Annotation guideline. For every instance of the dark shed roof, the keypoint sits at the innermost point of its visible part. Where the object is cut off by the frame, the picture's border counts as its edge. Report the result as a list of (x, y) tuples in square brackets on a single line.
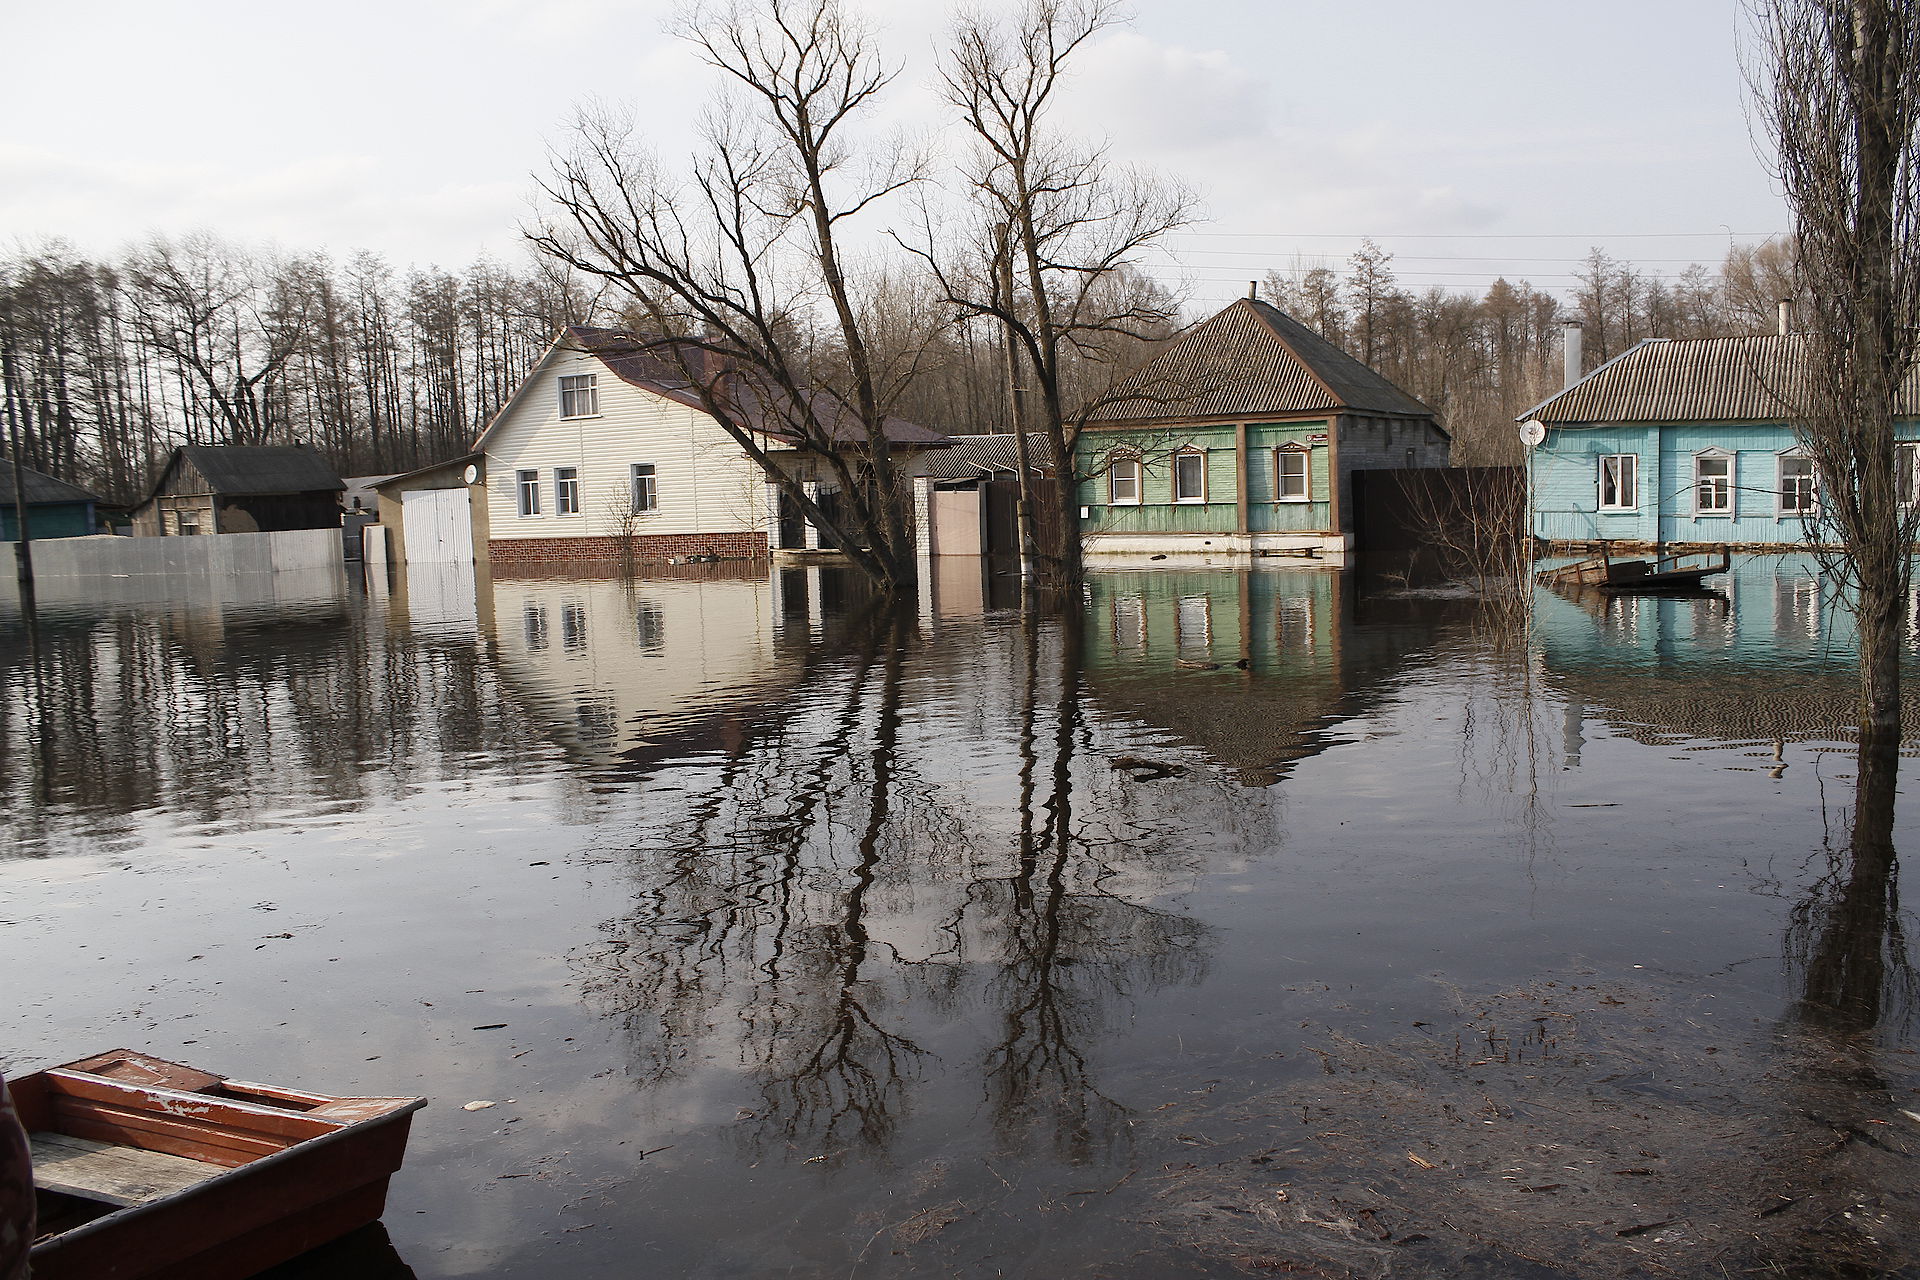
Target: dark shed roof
[(658, 368), (969, 457), (1747, 379), (42, 489), (1252, 360), (258, 469)]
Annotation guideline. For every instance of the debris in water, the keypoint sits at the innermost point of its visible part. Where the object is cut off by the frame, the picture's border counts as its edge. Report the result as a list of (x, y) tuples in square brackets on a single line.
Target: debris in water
[(478, 1105)]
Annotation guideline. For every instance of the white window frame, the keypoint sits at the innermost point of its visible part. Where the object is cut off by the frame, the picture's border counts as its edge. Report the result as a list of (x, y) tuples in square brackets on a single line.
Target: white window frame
[(643, 487), (566, 491), (1808, 484), (1180, 456), (579, 395), (1127, 465), (1280, 477), (1724, 484), (527, 492), (1906, 475), (1631, 485)]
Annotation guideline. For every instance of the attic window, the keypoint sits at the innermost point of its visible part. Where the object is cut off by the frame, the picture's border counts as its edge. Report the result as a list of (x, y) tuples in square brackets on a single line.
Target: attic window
[(579, 398)]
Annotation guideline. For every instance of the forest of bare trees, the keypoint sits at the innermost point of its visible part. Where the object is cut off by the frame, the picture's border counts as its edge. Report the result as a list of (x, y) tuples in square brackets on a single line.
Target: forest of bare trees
[(1482, 360)]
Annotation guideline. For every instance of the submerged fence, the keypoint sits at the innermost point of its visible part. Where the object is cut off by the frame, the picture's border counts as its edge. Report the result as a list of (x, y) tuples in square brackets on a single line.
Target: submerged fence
[(219, 555)]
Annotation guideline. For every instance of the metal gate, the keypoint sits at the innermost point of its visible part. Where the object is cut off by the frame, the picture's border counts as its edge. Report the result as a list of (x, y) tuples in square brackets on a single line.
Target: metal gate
[(438, 526)]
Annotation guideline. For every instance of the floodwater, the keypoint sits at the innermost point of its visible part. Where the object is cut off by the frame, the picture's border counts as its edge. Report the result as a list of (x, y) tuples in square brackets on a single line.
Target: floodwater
[(1232, 923)]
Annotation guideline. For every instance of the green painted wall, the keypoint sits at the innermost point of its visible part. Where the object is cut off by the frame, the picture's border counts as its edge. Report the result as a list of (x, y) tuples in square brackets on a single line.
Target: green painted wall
[(1158, 513), (60, 520)]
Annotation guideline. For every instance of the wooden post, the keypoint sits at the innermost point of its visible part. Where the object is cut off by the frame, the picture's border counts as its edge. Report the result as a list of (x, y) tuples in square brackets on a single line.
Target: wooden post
[(22, 551)]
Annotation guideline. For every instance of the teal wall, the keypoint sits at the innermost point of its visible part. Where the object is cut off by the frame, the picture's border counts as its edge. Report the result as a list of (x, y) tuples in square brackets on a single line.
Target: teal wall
[(56, 520), (1565, 476), (1158, 513)]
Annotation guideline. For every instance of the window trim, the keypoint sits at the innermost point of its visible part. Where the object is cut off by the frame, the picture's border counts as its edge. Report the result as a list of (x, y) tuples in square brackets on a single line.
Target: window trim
[(1780, 462), (565, 503), (1906, 472), (1131, 464), (592, 390), (1306, 474), (526, 484), (1180, 455), (1717, 512), (1600, 461), (635, 474)]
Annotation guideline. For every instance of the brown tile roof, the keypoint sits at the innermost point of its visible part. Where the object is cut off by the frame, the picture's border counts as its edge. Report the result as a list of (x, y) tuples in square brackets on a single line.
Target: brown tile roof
[(1700, 380), (1253, 360), (663, 369)]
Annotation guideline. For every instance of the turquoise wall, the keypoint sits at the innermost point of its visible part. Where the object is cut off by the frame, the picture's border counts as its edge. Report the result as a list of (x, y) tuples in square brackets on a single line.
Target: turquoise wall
[(59, 520), (1158, 513), (1565, 476)]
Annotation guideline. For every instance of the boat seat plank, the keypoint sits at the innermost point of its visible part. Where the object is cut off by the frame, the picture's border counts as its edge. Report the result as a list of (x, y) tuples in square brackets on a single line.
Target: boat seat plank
[(117, 1175)]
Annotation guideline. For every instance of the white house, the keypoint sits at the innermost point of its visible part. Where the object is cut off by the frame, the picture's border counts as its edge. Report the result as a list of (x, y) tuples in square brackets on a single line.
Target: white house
[(605, 450)]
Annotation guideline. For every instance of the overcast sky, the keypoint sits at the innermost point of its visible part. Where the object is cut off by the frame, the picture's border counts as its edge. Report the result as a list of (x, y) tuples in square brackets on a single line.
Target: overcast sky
[(1470, 138)]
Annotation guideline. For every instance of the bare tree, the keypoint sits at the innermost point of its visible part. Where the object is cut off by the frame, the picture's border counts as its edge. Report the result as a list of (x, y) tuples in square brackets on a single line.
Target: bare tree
[(739, 270), (1840, 95), (1054, 228)]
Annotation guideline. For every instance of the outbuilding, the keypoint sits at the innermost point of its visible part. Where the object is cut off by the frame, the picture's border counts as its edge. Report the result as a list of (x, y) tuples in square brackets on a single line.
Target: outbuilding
[(55, 509), (240, 489)]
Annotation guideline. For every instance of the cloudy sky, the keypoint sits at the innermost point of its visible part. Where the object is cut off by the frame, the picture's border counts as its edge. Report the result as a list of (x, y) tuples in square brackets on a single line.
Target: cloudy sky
[(1470, 138)]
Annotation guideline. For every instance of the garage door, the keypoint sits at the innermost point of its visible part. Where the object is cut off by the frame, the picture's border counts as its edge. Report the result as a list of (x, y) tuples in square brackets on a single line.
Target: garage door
[(438, 525)]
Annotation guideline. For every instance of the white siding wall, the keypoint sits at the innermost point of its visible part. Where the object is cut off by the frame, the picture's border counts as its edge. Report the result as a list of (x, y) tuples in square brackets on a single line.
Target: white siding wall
[(706, 484)]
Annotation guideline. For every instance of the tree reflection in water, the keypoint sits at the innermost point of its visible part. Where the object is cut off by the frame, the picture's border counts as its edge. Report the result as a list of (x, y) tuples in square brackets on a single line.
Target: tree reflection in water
[(759, 912)]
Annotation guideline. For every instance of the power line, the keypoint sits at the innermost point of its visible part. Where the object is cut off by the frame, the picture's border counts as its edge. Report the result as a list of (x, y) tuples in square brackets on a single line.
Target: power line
[(1217, 253), (1490, 235)]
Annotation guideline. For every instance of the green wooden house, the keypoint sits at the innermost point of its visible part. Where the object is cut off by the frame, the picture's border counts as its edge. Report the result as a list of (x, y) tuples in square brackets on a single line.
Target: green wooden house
[(1240, 439), (55, 509)]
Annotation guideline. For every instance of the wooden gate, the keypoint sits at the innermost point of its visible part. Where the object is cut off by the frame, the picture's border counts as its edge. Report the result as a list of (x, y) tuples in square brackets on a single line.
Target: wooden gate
[(438, 526)]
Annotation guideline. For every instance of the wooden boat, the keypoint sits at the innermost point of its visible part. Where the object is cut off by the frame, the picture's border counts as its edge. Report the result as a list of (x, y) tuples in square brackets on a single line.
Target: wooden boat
[(152, 1170), (1662, 573)]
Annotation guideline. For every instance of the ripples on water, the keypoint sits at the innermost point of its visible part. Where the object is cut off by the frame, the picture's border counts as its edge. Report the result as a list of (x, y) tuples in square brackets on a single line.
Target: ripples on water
[(1236, 922)]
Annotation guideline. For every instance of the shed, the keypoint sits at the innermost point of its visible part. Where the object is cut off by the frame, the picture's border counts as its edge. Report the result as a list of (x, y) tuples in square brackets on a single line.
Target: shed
[(55, 509), (240, 489), (436, 513)]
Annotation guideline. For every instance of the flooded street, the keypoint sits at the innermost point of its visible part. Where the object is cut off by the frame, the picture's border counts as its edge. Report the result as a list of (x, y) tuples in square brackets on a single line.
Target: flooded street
[(1233, 923)]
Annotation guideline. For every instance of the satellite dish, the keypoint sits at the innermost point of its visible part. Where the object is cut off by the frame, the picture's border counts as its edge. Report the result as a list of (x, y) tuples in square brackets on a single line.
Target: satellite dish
[(472, 473), (1532, 433)]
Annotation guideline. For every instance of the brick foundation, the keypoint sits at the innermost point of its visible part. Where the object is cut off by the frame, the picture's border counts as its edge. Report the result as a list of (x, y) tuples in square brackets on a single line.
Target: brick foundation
[(657, 548)]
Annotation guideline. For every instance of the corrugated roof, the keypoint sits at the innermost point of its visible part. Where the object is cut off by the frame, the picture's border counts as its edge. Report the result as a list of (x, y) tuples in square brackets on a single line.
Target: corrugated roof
[(42, 489), (968, 457), (1756, 378), (1254, 360), (258, 469), (663, 369)]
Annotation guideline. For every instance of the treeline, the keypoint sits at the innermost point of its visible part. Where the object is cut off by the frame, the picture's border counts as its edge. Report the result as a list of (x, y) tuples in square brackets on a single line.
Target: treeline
[(1480, 361), (109, 364)]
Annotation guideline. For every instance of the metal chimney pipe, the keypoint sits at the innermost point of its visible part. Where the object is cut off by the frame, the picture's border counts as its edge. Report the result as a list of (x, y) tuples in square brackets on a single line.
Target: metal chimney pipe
[(1786, 316), (1572, 336), (1253, 290)]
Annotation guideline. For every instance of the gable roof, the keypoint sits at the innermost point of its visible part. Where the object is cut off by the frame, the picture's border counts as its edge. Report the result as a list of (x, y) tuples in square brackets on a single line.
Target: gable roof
[(657, 366), (42, 489), (256, 469), (1755, 378), (1252, 360)]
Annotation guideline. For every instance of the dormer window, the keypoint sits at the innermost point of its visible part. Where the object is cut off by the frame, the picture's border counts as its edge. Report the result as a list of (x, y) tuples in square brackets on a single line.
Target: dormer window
[(579, 398)]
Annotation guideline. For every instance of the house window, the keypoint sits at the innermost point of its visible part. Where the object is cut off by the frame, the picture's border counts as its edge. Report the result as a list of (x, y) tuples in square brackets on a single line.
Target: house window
[(566, 491), (1799, 486), (649, 627), (186, 523), (1189, 476), (1619, 481), (1123, 482), (579, 398), (1907, 472), (529, 486), (645, 495), (1290, 482), (573, 627), (1712, 484), (533, 624)]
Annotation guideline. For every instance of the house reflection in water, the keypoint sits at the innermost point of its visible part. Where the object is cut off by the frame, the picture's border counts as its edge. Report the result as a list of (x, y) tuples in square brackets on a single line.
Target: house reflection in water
[(1766, 656), (1250, 666)]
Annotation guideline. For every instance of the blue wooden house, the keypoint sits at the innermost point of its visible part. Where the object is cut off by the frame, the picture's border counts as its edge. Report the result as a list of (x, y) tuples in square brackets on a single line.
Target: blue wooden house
[(1677, 442)]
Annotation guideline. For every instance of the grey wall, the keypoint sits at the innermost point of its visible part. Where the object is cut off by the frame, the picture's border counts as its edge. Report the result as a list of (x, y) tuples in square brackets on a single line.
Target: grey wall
[(210, 556)]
